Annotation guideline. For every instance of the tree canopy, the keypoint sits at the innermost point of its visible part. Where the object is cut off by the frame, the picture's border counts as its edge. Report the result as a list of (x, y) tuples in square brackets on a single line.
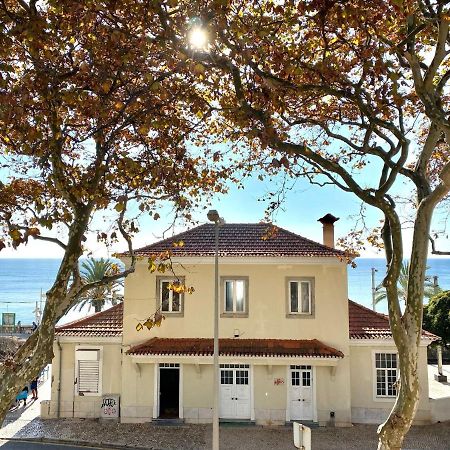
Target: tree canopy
[(97, 120), (436, 316), (93, 270)]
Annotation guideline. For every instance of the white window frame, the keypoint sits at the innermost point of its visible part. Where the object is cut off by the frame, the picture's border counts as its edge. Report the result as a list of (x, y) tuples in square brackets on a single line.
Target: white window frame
[(160, 291), (78, 349), (299, 302), (234, 311), (377, 397)]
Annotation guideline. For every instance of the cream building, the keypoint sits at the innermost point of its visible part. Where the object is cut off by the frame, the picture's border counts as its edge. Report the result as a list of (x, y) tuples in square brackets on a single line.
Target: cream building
[(292, 346)]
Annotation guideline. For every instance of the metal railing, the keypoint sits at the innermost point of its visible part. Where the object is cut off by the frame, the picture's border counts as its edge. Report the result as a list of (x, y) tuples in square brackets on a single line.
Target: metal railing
[(43, 376), (14, 329)]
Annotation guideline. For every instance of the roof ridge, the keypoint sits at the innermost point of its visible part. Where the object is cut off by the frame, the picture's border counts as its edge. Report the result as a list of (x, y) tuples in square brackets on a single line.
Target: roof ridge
[(309, 240)]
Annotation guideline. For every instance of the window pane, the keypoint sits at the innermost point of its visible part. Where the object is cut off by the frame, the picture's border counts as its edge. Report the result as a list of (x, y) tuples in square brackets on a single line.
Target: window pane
[(381, 382), (229, 296), (306, 378), (176, 301), (391, 379), (241, 376), (294, 296), (305, 297), (239, 284), (295, 378), (226, 377), (165, 295)]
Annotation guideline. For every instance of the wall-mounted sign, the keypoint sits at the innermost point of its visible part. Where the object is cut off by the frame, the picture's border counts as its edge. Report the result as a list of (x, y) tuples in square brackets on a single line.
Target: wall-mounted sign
[(8, 319), (278, 381), (110, 406)]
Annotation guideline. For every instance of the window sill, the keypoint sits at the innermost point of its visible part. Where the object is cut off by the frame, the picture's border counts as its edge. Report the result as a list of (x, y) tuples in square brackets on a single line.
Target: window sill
[(384, 399), (234, 315), (300, 316), (167, 314)]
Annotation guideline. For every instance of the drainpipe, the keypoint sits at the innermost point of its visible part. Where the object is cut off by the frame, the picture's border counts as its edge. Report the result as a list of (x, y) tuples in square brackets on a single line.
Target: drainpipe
[(58, 406)]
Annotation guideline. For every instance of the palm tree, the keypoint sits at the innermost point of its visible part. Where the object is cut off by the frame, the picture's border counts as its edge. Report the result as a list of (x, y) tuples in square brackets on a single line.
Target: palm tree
[(430, 288), (93, 270)]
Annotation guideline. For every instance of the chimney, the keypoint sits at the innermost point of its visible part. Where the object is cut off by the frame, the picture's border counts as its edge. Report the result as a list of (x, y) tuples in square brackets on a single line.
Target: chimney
[(328, 229)]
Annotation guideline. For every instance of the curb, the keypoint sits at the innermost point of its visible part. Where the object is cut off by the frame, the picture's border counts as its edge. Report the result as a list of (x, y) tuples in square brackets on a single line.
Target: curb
[(68, 442)]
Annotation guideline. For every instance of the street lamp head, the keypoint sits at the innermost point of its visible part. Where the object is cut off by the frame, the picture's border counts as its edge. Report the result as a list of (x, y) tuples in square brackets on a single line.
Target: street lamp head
[(213, 216)]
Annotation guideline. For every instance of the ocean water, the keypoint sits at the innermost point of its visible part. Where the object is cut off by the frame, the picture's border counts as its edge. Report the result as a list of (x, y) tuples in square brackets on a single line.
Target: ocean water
[(21, 282)]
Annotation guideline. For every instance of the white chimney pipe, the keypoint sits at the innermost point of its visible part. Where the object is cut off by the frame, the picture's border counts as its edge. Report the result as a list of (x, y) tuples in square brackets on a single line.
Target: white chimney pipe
[(328, 229)]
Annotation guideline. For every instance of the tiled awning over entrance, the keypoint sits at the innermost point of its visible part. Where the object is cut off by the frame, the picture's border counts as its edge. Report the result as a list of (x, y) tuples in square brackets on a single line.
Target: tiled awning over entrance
[(236, 347)]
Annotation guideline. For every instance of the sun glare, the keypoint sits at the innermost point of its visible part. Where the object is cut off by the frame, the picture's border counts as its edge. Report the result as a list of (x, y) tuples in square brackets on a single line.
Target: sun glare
[(198, 38)]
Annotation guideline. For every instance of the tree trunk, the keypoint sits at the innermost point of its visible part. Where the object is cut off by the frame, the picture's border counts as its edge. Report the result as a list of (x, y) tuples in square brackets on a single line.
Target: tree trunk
[(392, 432), (37, 351)]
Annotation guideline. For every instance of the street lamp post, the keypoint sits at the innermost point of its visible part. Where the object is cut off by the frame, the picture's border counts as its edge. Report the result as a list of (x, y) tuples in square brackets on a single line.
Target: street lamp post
[(213, 216), (374, 289)]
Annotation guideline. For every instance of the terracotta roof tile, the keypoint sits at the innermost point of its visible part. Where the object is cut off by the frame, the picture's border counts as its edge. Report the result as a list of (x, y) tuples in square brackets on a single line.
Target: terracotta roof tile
[(240, 240), (236, 347), (367, 324), (108, 323)]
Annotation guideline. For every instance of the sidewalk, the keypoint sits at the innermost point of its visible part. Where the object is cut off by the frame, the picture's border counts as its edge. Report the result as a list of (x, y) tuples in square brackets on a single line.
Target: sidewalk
[(437, 389), (18, 419), (198, 437)]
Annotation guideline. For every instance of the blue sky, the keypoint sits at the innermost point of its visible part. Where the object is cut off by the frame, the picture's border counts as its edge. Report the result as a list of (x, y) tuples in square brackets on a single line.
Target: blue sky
[(303, 206)]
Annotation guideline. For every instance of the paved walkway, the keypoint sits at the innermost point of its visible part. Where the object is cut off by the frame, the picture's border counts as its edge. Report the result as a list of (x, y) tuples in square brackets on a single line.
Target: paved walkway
[(198, 437), (437, 389)]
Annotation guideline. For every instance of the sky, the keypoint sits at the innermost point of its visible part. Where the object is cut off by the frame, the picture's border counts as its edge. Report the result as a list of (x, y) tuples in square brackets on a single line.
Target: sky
[(304, 204)]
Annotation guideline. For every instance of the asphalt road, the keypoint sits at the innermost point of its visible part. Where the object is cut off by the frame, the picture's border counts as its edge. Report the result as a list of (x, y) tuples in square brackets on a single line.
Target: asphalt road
[(23, 445)]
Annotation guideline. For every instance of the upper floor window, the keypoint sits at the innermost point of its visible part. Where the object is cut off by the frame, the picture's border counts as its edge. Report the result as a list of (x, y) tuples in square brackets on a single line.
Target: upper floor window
[(234, 296), (386, 374), (300, 296), (169, 301)]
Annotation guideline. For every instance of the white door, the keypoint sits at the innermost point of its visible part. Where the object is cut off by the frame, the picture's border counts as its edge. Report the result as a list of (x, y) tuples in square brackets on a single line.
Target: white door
[(235, 391), (301, 393), (227, 405)]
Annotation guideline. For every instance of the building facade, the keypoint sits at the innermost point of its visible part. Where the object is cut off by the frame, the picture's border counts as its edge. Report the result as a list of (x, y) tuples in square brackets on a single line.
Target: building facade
[(292, 346)]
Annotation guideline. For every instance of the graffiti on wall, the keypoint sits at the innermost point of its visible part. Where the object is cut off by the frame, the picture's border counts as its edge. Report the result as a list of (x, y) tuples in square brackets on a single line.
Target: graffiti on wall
[(110, 407)]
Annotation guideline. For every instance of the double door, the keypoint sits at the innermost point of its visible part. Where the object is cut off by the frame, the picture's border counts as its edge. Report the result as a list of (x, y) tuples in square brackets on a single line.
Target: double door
[(235, 394), (301, 395)]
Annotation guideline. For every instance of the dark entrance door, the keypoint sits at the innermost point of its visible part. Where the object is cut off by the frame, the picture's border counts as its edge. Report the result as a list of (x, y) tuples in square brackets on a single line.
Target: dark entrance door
[(169, 393)]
